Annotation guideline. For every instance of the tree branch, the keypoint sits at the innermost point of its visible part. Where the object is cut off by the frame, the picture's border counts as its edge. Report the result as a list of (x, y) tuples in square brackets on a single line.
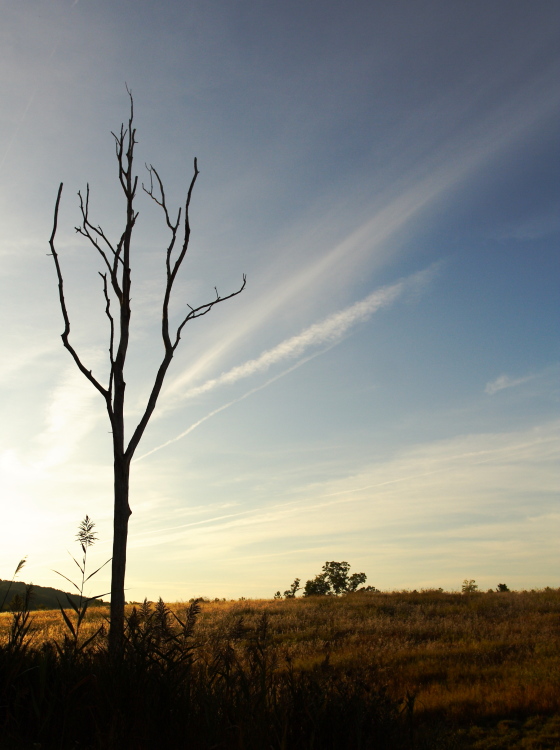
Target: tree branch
[(161, 202), (172, 270), (84, 230), (125, 141), (198, 312), (64, 336), (112, 335)]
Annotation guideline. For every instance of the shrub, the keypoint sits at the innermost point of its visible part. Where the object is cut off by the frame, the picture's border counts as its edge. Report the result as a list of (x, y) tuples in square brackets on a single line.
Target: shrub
[(291, 592), (318, 586)]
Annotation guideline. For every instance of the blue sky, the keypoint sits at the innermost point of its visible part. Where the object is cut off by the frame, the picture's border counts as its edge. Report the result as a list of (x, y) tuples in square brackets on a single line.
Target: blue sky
[(385, 391)]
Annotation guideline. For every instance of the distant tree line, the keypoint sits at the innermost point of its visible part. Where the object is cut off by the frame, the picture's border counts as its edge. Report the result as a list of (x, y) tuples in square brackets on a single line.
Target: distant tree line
[(470, 586), (336, 579)]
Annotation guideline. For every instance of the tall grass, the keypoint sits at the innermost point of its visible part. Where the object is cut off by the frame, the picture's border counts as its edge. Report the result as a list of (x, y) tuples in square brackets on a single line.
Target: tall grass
[(376, 670), (19, 566), (86, 537), (171, 689)]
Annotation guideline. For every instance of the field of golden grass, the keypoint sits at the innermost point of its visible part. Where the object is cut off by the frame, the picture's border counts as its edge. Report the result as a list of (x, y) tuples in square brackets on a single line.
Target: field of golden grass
[(487, 664), (488, 661)]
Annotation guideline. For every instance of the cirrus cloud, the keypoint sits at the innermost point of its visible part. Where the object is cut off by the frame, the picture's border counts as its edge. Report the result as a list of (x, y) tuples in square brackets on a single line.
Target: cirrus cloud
[(504, 381)]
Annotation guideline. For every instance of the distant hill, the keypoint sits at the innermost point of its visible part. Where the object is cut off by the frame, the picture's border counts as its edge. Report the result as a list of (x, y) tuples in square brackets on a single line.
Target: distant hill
[(42, 597)]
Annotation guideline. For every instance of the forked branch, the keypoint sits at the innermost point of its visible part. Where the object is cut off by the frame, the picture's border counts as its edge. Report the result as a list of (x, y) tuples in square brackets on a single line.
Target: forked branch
[(161, 201), (93, 234)]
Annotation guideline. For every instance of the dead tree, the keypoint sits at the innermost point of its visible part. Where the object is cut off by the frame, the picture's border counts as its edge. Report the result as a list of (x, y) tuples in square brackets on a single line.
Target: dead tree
[(116, 284)]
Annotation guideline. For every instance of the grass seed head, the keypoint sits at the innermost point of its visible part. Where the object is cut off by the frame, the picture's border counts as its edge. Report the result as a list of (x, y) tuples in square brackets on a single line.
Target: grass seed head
[(86, 535)]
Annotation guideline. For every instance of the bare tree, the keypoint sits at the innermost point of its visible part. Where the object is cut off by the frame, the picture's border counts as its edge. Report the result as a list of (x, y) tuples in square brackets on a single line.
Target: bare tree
[(116, 285)]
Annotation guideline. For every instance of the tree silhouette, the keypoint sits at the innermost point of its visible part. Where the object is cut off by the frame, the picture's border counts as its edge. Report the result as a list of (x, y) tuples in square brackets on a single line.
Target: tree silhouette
[(291, 592), (334, 580), (116, 286)]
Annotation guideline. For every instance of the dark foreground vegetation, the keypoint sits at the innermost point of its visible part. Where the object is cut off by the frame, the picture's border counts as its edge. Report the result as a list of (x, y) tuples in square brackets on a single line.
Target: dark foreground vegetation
[(367, 670)]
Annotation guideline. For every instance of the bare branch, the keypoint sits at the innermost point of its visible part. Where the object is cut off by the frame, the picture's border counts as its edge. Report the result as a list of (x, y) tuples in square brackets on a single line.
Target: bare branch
[(86, 231), (66, 331), (160, 201), (112, 334), (198, 312), (195, 312), (87, 225), (172, 272)]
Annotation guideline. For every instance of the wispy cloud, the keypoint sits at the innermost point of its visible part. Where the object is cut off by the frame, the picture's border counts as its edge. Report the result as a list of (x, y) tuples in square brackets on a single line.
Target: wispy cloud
[(504, 381), (328, 331), (70, 416), (393, 213), (24, 359), (230, 403), (453, 499)]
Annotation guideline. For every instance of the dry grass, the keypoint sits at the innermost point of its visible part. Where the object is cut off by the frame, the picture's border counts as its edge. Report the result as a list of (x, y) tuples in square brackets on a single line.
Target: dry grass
[(474, 657), (489, 663)]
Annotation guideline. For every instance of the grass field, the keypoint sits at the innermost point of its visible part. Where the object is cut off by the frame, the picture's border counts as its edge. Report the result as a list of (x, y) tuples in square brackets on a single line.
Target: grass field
[(477, 670)]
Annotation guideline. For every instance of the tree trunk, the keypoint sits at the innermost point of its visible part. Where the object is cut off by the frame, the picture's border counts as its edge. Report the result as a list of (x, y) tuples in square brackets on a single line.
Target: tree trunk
[(122, 513)]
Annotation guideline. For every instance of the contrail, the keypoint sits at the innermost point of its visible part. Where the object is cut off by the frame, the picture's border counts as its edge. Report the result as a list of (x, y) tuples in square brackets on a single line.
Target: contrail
[(328, 331), (231, 403)]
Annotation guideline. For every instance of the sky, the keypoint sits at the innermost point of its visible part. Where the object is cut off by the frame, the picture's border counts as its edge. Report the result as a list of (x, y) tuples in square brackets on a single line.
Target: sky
[(385, 391)]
